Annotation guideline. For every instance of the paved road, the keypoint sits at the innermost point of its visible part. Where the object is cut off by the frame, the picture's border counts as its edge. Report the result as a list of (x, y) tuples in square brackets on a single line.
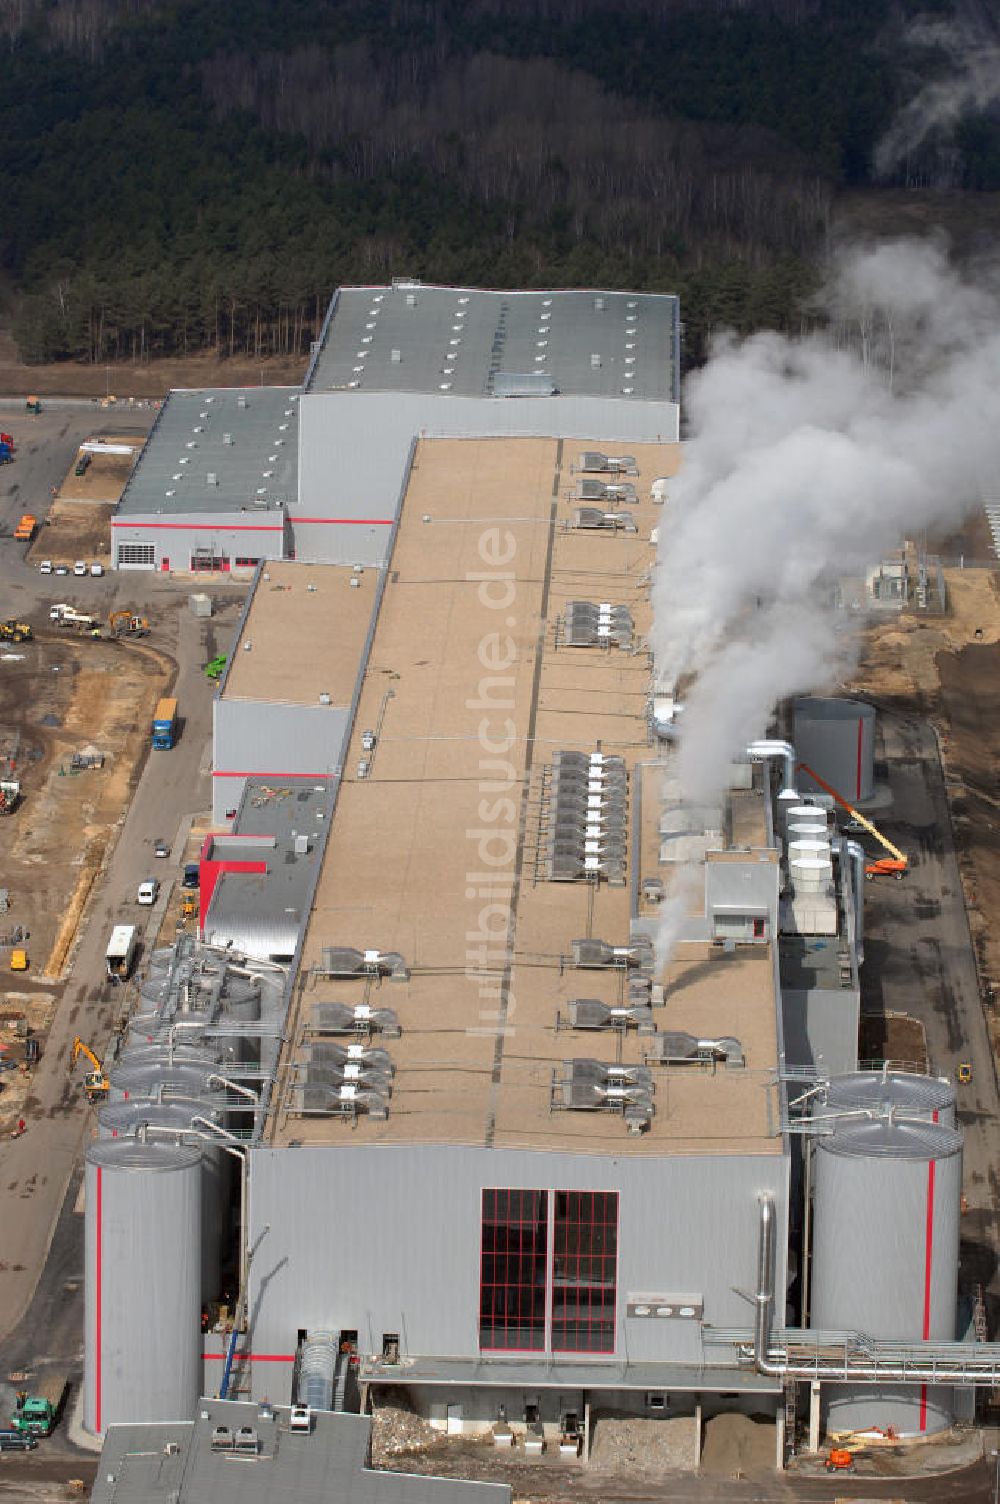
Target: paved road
[(36, 1169), (919, 959)]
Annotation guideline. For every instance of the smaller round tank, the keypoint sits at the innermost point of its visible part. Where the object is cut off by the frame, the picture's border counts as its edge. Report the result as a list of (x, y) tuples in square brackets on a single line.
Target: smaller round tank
[(145, 1081), (808, 847), (906, 1094), (807, 830), (810, 874), (810, 813)]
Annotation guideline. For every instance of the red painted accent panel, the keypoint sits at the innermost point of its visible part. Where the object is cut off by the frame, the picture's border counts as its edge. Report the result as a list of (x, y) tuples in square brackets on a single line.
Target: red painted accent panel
[(346, 521), (98, 1273), (208, 875), (861, 738), (229, 774), (928, 1267)]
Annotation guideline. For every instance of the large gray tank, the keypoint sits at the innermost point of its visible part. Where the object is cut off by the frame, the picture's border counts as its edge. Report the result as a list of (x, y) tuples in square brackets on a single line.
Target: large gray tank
[(142, 1329), (837, 739), (126, 1120), (885, 1257), (906, 1094), (149, 1079)]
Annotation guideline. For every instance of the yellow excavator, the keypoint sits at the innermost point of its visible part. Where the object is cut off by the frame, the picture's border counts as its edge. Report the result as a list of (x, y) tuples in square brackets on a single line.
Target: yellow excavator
[(95, 1082), (127, 624), (893, 865)]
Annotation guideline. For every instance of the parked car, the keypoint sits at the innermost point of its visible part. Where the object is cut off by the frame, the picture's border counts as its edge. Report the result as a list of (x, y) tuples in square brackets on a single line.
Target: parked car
[(96, 569), (161, 847), (79, 567), (62, 569), (45, 567), (190, 878), (148, 891)]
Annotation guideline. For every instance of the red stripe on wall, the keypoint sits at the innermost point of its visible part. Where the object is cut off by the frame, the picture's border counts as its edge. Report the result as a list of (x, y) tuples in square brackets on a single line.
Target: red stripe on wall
[(98, 1271), (228, 774), (347, 521), (207, 527), (928, 1267), (861, 737), (251, 1357)]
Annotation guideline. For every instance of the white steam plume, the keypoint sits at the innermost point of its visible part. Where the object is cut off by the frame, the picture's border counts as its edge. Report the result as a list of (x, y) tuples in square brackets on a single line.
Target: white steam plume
[(971, 85), (804, 462)]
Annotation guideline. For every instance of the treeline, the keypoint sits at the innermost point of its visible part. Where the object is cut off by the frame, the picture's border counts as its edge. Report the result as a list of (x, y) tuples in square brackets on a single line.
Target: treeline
[(180, 175)]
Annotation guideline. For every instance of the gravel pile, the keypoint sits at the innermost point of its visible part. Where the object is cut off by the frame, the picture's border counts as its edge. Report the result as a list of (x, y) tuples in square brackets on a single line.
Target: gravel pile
[(397, 1432), (654, 1442), (738, 1444)]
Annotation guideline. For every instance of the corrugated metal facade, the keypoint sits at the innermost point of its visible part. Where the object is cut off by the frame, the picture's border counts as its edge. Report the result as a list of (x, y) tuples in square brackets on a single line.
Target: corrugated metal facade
[(820, 1027), (387, 1239), (268, 740), (354, 448), (185, 542)]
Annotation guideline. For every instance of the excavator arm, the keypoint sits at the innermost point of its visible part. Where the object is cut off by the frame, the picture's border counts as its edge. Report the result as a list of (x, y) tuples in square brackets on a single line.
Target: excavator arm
[(893, 865), (79, 1048)]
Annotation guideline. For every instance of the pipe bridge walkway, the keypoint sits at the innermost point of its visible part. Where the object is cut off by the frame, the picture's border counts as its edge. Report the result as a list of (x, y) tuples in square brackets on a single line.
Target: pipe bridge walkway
[(858, 1358)]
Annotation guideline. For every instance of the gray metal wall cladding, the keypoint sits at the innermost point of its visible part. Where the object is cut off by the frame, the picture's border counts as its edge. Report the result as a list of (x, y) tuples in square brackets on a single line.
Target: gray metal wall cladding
[(837, 739), (142, 1297), (234, 535), (873, 1257), (271, 739), (820, 1027), (387, 1239), (910, 1095)]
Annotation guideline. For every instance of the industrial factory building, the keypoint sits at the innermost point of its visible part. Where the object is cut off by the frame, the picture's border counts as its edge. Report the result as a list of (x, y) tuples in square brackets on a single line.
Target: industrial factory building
[(550, 1104), (227, 478)]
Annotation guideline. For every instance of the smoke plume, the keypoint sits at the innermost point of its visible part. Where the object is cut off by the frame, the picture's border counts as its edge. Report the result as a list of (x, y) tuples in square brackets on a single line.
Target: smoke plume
[(970, 85), (811, 458)]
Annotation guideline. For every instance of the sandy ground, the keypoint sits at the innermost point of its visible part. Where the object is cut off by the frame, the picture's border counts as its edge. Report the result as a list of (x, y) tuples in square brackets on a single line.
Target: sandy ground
[(74, 530), (152, 379), (104, 478)]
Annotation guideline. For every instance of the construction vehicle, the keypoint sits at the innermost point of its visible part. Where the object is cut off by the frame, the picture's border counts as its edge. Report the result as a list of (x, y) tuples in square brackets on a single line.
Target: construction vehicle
[(18, 959), (120, 952), (965, 1072), (215, 668), (895, 864), (10, 794), (127, 624), (95, 1082), (15, 631), (33, 405), (839, 1460), (65, 615), (189, 906), (165, 724), (36, 1414), (25, 530)]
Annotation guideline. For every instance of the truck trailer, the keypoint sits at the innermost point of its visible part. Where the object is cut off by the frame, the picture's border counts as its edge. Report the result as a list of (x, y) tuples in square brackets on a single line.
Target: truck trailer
[(121, 952), (165, 724)]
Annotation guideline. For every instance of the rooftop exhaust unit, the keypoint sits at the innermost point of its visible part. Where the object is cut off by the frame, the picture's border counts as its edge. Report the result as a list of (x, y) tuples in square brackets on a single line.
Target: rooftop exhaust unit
[(357, 1018), (594, 1086), (343, 961), (600, 490), (586, 818), (597, 955), (590, 1013), (351, 1054), (590, 624), (347, 1101), (674, 1048), (594, 520), (366, 1078), (592, 461)]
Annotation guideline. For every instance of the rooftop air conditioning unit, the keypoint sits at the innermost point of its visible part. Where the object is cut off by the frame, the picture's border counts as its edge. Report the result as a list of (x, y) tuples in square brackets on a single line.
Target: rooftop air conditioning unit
[(344, 961), (595, 955), (673, 1048), (356, 1018), (590, 1013)]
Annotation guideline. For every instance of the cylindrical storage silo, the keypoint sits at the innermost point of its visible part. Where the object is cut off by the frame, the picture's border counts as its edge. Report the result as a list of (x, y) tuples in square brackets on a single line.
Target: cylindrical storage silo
[(810, 874), (836, 738), (126, 1120), (885, 1258), (142, 1329), (909, 1095), (808, 830), (806, 813), (149, 1080)]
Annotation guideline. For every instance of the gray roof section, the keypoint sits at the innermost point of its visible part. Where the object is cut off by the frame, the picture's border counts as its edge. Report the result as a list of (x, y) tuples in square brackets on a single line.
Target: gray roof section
[(262, 914), (246, 438), (460, 340), (328, 1464)]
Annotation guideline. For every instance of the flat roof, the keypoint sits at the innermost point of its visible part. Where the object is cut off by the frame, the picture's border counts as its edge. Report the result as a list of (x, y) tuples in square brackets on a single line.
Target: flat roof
[(438, 852), (177, 1461), (246, 439), (411, 337), (261, 913), (306, 626)]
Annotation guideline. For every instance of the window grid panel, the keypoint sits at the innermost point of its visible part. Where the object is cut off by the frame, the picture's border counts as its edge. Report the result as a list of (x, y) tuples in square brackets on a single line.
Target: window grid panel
[(584, 1271), (513, 1270)]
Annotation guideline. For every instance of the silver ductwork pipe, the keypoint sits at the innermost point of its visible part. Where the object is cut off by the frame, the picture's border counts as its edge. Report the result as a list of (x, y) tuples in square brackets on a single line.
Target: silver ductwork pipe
[(855, 854), (960, 1363), (760, 751)]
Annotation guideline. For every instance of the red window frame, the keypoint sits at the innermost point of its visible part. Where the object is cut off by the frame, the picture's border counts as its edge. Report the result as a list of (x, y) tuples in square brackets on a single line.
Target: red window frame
[(584, 1271), (513, 1270)]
